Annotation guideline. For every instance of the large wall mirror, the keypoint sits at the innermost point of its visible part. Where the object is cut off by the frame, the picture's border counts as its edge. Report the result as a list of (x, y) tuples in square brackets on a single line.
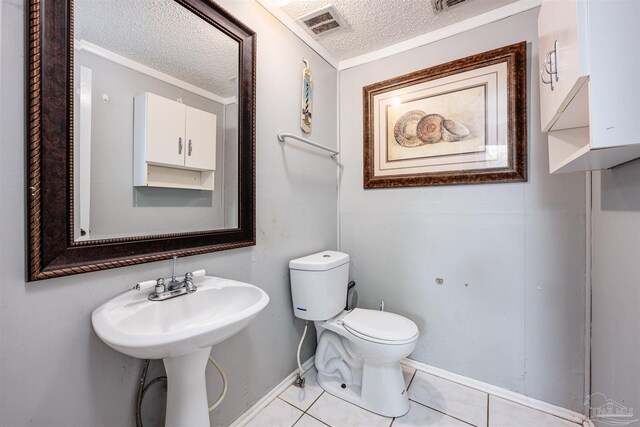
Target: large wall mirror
[(141, 133)]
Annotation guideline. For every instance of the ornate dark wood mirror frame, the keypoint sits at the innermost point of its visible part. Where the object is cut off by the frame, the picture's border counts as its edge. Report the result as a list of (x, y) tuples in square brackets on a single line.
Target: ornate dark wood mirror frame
[(52, 251)]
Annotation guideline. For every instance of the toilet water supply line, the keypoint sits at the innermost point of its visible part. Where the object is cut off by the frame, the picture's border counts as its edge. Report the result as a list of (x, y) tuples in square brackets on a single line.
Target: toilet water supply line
[(304, 334), (142, 389), (299, 380)]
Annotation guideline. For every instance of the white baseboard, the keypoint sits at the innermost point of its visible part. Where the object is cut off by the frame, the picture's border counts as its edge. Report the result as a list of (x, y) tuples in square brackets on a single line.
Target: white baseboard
[(272, 394), (499, 392)]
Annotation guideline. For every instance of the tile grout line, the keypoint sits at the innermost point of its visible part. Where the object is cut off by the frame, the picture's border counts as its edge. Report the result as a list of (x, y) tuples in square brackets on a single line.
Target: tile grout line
[(293, 406), (310, 406), (443, 413), (290, 404), (314, 402), (318, 420), (415, 370), (296, 421), (488, 403), (348, 403), (413, 375)]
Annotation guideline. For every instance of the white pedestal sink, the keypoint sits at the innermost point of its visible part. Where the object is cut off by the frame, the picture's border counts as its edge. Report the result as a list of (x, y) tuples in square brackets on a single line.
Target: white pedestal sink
[(181, 331)]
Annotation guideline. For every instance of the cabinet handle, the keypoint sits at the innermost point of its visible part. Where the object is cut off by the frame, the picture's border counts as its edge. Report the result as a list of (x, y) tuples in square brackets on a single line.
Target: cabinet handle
[(550, 66), (542, 73), (190, 148), (180, 145)]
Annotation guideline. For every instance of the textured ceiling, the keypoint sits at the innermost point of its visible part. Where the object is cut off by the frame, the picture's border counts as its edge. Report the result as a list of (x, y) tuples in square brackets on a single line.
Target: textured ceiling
[(375, 24), (162, 35)]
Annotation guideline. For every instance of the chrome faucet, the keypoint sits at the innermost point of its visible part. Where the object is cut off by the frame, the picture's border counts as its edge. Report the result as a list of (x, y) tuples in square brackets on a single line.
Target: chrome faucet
[(173, 284), (175, 288)]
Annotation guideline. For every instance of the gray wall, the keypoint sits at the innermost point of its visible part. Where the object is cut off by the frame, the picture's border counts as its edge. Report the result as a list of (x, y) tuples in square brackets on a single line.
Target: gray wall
[(615, 340), (117, 207), (520, 247), (54, 370)]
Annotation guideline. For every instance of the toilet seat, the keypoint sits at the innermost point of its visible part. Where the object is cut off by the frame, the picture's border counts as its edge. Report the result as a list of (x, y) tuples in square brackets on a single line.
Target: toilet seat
[(380, 326)]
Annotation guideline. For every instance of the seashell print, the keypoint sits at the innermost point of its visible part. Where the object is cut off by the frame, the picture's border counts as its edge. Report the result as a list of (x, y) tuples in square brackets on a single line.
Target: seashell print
[(429, 129), (405, 131), (454, 131)]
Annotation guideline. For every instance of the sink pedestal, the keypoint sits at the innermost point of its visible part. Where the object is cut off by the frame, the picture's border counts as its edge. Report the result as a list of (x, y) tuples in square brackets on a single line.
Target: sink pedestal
[(187, 390)]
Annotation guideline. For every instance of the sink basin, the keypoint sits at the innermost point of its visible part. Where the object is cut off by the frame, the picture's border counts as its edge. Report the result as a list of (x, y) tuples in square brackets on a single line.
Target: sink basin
[(181, 331), (133, 325)]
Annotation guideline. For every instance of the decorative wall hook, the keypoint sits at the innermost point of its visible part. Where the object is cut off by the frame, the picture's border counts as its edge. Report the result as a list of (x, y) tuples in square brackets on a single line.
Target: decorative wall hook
[(307, 98)]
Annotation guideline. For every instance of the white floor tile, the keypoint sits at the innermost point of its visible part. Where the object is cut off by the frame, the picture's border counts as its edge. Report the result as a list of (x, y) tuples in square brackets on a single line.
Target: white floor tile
[(504, 413), (339, 413), (303, 398), (309, 421), (407, 373), (419, 416), (278, 413), (465, 403)]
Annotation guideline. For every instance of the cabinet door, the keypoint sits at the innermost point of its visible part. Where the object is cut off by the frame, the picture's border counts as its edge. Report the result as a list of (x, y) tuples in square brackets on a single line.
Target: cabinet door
[(165, 129), (546, 41), (564, 22), (201, 139)]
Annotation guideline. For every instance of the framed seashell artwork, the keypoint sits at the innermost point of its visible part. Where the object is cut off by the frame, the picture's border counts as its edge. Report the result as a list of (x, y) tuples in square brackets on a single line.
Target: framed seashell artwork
[(462, 122)]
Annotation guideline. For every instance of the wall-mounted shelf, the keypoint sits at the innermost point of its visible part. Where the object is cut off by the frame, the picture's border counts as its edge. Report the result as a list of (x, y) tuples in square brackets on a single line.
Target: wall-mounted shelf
[(161, 176), (588, 83)]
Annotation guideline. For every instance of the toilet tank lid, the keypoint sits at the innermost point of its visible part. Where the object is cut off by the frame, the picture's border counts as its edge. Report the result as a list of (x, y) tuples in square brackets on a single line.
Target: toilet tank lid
[(322, 261)]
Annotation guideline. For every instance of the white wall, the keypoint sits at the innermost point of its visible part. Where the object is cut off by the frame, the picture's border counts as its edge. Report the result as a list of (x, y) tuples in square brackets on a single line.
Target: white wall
[(520, 247), (615, 340), (54, 370)]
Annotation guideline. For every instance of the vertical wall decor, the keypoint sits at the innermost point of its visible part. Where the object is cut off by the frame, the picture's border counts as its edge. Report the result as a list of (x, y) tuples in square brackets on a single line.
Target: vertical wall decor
[(307, 98)]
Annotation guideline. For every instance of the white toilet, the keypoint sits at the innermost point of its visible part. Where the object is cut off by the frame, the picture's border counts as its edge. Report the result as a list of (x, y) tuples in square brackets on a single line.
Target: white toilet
[(359, 351)]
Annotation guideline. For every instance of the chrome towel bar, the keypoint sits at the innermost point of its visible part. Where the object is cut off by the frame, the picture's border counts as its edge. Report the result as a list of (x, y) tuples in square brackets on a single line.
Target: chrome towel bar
[(282, 135)]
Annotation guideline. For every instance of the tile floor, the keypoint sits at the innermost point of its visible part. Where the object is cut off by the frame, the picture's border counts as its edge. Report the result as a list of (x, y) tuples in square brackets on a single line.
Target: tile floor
[(434, 401)]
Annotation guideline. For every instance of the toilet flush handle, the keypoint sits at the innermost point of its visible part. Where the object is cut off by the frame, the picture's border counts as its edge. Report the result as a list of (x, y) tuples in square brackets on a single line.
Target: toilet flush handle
[(382, 305)]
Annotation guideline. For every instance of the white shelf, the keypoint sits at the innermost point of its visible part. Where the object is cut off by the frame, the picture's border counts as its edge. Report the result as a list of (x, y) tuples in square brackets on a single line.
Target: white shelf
[(568, 152), (169, 177)]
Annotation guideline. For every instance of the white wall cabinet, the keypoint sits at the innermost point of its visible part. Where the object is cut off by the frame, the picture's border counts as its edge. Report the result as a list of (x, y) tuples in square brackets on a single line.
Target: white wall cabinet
[(174, 144), (589, 53)]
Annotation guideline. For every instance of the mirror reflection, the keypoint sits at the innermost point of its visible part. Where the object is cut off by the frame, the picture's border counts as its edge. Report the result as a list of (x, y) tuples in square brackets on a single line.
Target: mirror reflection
[(155, 90)]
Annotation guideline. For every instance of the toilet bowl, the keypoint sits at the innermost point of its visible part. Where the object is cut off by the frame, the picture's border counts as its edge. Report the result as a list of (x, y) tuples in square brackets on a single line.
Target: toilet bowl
[(359, 351)]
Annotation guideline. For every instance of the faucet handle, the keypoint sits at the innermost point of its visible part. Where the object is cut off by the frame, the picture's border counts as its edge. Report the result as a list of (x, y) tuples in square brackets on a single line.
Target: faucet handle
[(160, 288), (188, 282)]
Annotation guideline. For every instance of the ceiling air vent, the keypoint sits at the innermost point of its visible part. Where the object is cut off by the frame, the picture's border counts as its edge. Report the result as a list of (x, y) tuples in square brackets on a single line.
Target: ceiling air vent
[(322, 21), (440, 6)]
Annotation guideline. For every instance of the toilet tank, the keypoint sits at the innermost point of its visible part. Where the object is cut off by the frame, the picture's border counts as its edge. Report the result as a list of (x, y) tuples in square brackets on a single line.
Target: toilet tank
[(319, 285)]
